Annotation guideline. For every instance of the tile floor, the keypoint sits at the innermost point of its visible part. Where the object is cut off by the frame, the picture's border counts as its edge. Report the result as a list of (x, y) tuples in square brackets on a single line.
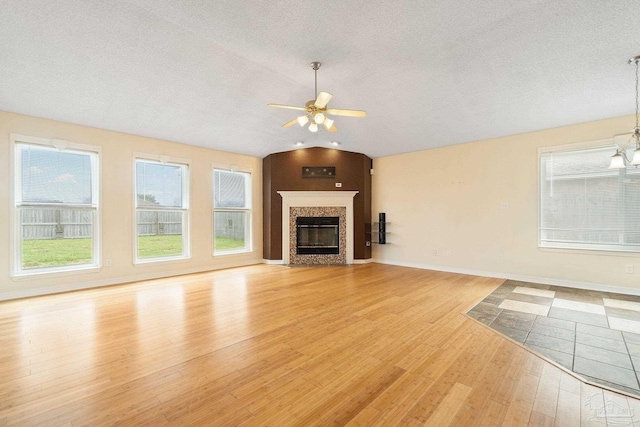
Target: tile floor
[(594, 334)]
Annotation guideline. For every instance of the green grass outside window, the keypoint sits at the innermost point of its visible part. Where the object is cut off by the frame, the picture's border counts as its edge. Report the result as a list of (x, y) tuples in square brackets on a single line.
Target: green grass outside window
[(61, 252)]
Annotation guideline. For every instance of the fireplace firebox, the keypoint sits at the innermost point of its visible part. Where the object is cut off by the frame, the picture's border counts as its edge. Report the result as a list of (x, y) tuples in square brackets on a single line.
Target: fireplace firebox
[(317, 235)]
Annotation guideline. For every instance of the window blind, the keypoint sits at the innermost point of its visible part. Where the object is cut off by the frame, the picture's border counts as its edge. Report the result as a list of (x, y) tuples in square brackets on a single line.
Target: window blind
[(586, 205), (52, 176), (230, 189), (159, 185)]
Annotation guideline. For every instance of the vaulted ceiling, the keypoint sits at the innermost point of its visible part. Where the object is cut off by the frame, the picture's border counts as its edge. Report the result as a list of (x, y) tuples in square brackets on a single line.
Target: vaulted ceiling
[(428, 73)]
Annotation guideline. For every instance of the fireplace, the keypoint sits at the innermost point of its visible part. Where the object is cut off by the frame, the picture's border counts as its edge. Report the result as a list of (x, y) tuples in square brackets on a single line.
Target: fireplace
[(317, 204), (317, 235)]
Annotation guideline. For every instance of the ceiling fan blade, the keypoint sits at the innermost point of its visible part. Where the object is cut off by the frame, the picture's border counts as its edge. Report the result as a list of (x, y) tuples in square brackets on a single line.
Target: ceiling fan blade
[(289, 107), (333, 128), (291, 123), (350, 113), (323, 99)]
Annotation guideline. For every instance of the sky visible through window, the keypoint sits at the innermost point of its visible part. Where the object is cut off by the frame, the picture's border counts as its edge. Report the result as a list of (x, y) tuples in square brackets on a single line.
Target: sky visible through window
[(52, 176), (159, 184)]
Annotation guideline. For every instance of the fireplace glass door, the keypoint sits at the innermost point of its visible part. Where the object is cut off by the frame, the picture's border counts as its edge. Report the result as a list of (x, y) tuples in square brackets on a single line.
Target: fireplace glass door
[(318, 235)]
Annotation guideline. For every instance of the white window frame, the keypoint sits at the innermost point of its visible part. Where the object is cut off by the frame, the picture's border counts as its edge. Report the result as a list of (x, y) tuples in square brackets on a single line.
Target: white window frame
[(185, 209), (247, 210), (15, 252), (578, 247)]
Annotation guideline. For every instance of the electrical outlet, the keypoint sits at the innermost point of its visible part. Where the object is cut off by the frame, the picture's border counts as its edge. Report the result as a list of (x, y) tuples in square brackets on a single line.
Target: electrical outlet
[(504, 205), (434, 252), (338, 184), (628, 268)]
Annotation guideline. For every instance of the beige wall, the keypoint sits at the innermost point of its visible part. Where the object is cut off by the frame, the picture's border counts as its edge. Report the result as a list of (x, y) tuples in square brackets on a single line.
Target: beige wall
[(449, 200), (446, 200), (117, 206)]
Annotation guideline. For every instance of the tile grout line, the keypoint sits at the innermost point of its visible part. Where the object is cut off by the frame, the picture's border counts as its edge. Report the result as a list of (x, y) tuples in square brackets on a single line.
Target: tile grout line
[(633, 366), (497, 315), (529, 331), (575, 344)]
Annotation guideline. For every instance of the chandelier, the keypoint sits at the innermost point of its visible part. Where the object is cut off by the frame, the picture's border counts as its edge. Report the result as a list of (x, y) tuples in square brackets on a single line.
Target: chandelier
[(620, 159)]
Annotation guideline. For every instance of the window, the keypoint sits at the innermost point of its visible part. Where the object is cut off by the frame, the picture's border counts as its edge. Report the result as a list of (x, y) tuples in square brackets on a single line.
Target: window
[(161, 210), (231, 211), (586, 205), (56, 206)]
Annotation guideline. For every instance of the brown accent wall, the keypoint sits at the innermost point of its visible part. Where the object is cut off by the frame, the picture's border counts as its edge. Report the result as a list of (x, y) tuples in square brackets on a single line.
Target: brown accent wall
[(283, 172)]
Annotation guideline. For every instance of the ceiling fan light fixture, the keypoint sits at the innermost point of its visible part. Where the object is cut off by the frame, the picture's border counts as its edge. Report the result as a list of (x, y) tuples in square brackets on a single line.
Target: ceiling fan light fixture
[(302, 120), (327, 123), (316, 110)]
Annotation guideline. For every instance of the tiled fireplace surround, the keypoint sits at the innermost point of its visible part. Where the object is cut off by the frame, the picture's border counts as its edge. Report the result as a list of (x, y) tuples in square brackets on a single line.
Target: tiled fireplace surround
[(317, 203)]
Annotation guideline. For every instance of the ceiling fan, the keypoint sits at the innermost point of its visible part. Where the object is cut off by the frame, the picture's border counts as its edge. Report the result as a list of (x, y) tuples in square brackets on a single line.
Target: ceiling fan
[(316, 111)]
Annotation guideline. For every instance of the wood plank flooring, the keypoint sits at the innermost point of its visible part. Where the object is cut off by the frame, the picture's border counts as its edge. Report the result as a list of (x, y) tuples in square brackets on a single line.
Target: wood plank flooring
[(369, 345)]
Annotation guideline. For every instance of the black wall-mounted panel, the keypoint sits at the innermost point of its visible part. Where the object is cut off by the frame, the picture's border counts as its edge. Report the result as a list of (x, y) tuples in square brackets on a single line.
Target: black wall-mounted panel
[(318, 171)]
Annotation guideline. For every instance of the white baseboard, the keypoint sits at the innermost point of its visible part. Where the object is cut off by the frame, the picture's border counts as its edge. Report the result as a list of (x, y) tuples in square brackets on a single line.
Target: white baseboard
[(111, 281), (150, 276), (522, 278), (362, 261)]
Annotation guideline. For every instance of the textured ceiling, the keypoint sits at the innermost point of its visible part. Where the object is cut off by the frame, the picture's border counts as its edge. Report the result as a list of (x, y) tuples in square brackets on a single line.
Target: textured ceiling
[(428, 73)]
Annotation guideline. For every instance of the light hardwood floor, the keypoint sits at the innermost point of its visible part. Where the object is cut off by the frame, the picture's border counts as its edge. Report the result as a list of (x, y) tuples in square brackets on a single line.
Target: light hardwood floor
[(370, 345)]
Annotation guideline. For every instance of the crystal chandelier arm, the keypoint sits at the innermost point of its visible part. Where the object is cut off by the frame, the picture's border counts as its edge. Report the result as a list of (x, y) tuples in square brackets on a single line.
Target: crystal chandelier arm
[(620, 159), (636, 130), (635, 60)]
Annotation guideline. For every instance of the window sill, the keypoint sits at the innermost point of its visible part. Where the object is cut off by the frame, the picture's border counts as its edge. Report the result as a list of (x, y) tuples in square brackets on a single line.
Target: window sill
[(156, 261), (57, 272), (232, 252), (599, 252)]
